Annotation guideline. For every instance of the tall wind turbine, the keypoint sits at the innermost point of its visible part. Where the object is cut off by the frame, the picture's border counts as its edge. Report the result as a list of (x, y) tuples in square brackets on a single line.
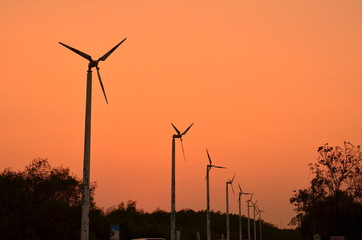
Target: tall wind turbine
[(208, 168), (173, 183), (87, 136), (239, 200), (227, 206)]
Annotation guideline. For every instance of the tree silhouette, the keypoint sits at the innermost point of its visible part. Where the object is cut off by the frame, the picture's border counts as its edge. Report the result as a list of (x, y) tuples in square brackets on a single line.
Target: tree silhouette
[(332, 204), (40, 202)]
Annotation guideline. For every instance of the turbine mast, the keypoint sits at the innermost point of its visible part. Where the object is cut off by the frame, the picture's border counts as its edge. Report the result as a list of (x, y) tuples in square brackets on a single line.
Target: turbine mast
[(208, 231), (227, 212), (86, 160), (173, 189)]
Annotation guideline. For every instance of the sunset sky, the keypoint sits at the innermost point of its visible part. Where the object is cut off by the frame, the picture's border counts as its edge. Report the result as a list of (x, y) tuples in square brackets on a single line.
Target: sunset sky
[(265, 82)]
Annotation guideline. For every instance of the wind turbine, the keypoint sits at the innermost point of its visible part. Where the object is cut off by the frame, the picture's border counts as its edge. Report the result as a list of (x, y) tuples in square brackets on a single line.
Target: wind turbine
[(227, 206), (173, 184), (248, 201), (254, 205), (87, 135), (260, 211), (239, 200), (208, 168)]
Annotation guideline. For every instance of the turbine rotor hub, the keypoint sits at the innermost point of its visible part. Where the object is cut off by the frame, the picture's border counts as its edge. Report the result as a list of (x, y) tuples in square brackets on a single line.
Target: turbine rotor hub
[(93, 64)]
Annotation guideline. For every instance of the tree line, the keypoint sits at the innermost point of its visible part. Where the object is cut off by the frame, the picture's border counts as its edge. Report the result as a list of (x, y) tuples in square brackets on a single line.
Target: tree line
[(42, 202)]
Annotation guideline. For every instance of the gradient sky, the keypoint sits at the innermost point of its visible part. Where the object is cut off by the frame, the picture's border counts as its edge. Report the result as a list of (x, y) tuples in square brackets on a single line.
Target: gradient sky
[(266, 83)]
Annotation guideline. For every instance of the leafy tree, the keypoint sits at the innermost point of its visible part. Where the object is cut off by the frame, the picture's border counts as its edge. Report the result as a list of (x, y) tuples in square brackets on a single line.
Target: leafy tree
[(332, 204), (40, 202), (338, 169)]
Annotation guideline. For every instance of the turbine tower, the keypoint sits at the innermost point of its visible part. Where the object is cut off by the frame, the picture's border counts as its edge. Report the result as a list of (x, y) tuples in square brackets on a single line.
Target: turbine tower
[(173, 183), (239, 200), (227, 206), (87, 135), (208, 168), (254, 206), (248, 201), (260, 211)]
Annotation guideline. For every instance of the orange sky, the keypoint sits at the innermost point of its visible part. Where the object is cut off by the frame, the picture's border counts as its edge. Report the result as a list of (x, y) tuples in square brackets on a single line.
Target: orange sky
[(266, 83)]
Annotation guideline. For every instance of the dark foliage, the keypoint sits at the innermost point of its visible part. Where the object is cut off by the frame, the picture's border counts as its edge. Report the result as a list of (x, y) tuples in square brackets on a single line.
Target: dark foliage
[(42, 203), (332, 205), (39, 203)]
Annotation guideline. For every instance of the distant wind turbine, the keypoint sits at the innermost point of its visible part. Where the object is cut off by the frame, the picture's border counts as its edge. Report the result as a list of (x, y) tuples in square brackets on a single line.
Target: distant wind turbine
[(227, 206), (248, 201), (87, 137), (239, 200), (254, 206), (173, 184), (260, 211), (208, 168)]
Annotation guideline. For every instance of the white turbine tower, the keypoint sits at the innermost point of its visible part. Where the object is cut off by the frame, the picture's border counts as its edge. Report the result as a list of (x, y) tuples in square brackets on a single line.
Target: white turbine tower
[(239, 201), (227, 206), (173, 181), (208, 168), (87, 135)]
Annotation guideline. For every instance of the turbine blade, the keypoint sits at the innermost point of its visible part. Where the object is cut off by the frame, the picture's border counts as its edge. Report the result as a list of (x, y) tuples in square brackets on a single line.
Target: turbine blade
[(183, 151), (241, 191), (105, 56), (232, 188), (208, 155), (218, 166), (100, 81), (178, 132), (233, 178), (187, 129), (86, 56)]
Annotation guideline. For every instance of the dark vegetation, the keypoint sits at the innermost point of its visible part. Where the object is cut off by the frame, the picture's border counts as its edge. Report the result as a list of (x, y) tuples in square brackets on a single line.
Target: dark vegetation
[(332, 204), (42, 203)]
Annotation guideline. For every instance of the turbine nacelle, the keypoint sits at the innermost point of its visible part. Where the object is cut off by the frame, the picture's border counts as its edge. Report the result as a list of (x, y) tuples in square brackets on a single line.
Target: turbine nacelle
[(231, 183), (92, 64), (257, 210), (179, 135), (250, 203), (241, 192), (251, 196), (210, 161), (209, 166)]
